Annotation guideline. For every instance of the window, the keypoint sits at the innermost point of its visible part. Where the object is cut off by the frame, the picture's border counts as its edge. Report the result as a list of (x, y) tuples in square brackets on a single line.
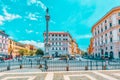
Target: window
[(66, 49), (105, 21), (95, 43), (106, 34), (59, 38), (119, 38), (95, 33), (119, 14), (98, 31), (102, 36), (59, 48), (53, 48), (102, 41), (101, 29), (110, 47), (52, 34), (59, 34), (106, 48), (118, 22), (55, 34), (110, 24), (106, 41), (110, 32), (110, 39), (98, 42), (59, 43), (105, 27), (56, 48), (119, 30)]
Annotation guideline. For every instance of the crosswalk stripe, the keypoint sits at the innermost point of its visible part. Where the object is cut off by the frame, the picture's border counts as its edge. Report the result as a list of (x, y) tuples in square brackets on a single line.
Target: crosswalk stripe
[(20, 77), (66, 77), (116, 74), (49, 76), (104, 76)]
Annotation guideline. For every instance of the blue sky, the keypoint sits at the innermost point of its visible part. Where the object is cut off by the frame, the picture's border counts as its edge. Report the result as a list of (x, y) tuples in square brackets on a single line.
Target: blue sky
[(24, 20)]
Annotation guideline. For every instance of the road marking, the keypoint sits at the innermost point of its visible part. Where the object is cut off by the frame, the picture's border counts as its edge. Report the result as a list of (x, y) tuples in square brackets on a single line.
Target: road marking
[(67, 77), (24, 73), (20, 77), (116, 74), (49, 76), (1, 74), (105, 76)]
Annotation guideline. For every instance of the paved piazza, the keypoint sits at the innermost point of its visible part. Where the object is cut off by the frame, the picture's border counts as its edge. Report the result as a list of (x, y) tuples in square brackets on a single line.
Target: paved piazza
[(35, 74)]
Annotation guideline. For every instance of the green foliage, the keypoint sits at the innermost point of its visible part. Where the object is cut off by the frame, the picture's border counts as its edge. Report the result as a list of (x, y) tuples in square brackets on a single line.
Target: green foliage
[(21, 52), (82, 53), (31, 53), (39, 52)]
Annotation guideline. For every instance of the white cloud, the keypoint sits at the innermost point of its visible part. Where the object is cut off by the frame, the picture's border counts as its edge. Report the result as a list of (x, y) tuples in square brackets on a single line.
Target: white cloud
[(52, 21), (8, 16), (37, 32), (28, 31), (33, 1), (32, 16), (84, 36), (38, 3), (32, 42)]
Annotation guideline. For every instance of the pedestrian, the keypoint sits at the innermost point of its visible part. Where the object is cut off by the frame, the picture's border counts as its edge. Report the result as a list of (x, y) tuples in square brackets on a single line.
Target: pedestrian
[(46, 67)]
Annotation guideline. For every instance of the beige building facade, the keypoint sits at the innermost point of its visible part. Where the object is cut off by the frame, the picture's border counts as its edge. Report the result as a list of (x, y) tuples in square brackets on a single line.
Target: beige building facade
[(106, 35), (14, 47)]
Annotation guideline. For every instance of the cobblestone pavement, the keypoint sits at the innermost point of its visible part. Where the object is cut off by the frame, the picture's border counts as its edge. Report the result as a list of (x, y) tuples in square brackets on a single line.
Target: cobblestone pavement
[(32, 74)]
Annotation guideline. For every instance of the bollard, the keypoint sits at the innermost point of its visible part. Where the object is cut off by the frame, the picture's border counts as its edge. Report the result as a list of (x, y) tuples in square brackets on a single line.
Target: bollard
[(86, 67), (40, 66), (21, 66), (67, 68), (104, 67), (8, 67)]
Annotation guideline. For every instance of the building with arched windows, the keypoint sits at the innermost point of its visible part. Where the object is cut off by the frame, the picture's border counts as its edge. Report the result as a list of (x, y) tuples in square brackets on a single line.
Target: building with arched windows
[(106, 35)]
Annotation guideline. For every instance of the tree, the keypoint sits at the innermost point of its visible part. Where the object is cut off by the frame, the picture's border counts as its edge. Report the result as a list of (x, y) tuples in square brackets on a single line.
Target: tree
[(26, 52), (82, 53), (39, 52), (31, 53), (21, 52)]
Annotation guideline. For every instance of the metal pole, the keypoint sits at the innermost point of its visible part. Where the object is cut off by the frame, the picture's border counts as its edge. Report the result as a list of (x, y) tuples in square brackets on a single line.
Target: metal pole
[(47, 31)]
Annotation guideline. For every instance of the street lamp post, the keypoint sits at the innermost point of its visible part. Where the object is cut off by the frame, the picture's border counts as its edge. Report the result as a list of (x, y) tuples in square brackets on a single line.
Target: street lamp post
[(102, 52), (47, 17)]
